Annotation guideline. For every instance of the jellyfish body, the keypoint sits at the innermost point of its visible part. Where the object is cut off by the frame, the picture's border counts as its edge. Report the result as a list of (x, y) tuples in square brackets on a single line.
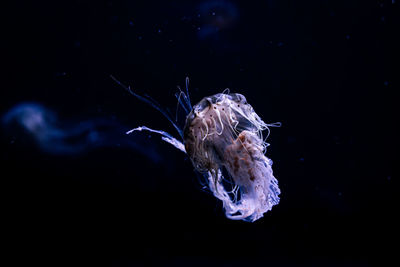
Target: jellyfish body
[(223, 138), (223, 134)]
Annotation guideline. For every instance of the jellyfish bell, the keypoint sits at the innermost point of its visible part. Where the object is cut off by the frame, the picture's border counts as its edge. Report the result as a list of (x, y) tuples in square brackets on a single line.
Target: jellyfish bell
[(223, 138)]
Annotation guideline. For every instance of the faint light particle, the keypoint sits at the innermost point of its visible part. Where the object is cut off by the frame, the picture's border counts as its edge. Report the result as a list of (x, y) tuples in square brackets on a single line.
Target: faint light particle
[(60, 74)]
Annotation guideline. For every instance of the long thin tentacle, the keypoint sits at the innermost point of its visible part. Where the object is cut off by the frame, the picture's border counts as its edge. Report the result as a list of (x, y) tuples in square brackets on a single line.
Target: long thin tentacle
[(151, 102)]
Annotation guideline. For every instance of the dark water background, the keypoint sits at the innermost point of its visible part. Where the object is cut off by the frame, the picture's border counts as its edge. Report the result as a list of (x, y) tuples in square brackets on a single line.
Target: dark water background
[(325, 69)]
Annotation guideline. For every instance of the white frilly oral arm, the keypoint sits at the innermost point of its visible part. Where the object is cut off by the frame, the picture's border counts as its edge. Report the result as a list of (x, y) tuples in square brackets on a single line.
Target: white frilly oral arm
[(165, 136)]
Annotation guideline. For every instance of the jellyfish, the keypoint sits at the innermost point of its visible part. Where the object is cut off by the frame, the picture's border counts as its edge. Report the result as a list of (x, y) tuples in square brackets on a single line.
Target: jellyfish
[(223, 137), (31, 121)]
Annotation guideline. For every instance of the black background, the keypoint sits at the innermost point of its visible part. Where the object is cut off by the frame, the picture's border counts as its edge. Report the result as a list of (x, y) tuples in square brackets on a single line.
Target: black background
[(325, 69)]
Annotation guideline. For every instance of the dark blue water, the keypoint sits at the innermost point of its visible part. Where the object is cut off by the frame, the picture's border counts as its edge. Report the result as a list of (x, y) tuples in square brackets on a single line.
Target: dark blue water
[(94, 196)]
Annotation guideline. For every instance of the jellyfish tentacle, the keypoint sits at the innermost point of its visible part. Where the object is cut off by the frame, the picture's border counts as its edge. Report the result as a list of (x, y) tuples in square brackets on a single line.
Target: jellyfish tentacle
[(150, 101), (187, 97), (165, 136), (180, 104)]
